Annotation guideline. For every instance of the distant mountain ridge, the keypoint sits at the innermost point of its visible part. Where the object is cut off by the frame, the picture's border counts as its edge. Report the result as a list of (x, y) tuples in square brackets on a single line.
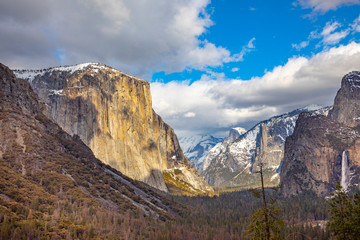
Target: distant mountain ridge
[(232, 163), (112, 113), (196, 148)]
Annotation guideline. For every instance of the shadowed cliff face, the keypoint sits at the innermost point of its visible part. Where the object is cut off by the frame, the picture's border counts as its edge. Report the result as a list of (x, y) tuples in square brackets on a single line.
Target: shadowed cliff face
[(112, 113), (315, 153)]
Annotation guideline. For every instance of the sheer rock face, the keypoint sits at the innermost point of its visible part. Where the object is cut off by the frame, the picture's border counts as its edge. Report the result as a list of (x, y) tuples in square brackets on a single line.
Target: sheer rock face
[(347, 101), (112, 114), (313, 154), (38, 160)]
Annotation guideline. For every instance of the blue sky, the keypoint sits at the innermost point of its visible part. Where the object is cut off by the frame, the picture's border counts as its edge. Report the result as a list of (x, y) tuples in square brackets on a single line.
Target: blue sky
[(212, 64), (275, 25)]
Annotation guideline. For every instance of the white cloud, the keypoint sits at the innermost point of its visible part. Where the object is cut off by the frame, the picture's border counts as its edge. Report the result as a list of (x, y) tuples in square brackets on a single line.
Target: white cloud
[(189, 114), (329, 35), (356, 25), (326, 5), (135, 36), (238, 57), (301, 45), (335, 37), (219, 103), (329, 28), (235, 69)]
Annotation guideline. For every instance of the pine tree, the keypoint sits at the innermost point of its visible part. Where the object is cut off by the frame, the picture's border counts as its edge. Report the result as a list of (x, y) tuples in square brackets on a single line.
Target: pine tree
[(356, 216), (265, 222), (343, 223)]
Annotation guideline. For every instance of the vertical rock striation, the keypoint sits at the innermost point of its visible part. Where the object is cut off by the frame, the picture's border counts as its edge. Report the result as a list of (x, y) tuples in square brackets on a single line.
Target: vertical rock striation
[(112, 114)]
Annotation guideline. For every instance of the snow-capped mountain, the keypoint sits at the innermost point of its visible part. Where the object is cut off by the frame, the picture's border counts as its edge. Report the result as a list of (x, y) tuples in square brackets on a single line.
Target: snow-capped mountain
[(197, 147), (233, 162)]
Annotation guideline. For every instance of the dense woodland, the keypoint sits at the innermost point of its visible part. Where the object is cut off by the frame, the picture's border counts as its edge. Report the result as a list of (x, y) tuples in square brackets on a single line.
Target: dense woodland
[(223, 217), (32, 213)]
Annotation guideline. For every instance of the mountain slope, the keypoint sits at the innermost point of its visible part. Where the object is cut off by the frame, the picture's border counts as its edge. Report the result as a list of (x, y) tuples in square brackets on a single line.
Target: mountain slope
[(112, 114), (324, 150), (52, 186), (196, 148), (233, 163)]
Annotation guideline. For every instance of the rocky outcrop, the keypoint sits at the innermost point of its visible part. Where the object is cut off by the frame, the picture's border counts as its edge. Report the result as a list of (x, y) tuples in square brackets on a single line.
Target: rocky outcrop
[(324, 150), (346, 108), (235, 133), (112, 113), (233, 164)]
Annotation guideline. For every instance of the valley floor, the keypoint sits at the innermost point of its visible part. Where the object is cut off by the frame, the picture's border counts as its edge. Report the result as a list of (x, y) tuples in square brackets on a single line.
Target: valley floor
[(220, 217)]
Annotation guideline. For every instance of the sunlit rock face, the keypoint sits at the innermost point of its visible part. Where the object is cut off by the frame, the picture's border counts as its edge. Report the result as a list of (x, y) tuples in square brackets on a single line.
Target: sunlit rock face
[(112, 113), (324, 150)]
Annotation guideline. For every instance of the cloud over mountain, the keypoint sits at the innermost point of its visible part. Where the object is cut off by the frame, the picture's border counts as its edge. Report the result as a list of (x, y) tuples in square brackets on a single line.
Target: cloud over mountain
[(219, 103), (140, 37)]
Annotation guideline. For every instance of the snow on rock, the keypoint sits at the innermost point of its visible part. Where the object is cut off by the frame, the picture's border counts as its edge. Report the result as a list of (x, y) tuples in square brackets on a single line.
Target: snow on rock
[(235, 133), (30, 75), (353, 78), (56, 92), (197, 147), (238, 153)]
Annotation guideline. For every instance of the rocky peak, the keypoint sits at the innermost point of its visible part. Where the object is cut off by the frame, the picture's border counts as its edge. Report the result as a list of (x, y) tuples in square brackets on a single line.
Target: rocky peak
[(351, 80), (112, 114), (18, 92), (235, 133), (347, 101)]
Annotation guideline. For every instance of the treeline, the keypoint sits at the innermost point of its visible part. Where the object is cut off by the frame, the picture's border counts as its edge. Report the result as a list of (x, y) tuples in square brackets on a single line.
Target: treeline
[(227, 216), (29, 212)]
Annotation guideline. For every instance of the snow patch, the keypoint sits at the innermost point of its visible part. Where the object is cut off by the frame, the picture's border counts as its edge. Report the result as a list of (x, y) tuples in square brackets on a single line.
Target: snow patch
[(273, 177), (30, 75), (56, 92)]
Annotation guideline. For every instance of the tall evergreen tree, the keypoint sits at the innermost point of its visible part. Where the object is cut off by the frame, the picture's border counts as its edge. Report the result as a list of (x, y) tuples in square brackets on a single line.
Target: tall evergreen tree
[(345, 215), (265, 223)]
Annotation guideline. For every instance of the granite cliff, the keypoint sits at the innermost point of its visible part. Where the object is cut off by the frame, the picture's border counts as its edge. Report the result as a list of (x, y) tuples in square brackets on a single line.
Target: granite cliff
[(112, 113), (325, 149), (51, 184)]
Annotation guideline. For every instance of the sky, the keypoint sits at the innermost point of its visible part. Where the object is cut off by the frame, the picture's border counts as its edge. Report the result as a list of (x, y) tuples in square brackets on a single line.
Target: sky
[(212, 65)]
